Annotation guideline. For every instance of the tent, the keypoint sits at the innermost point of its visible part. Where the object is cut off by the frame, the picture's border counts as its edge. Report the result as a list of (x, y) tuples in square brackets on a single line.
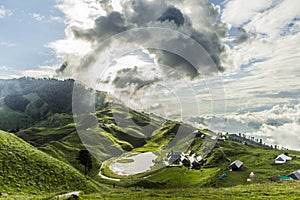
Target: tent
[(295, 175), (236, 165), (285, 178), (223, 176), (282, 158)]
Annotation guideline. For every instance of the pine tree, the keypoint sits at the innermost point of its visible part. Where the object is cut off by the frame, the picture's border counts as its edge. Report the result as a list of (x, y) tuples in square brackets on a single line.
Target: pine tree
[(84, 158)]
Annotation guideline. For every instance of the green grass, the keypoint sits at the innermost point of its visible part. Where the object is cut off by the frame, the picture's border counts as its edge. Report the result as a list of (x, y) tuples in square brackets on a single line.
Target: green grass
[(25, 169), (283, 190), (57, 137), (175, 177), (256, 159), (267, 191), (125, 161)]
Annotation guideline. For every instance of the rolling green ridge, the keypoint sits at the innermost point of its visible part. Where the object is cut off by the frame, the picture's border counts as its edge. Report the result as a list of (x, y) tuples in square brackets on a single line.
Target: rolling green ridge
[(57, 135), (26, 169), (63, 143)]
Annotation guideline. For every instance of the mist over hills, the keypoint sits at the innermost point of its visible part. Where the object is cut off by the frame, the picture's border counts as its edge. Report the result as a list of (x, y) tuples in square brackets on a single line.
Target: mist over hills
[(26, 101)]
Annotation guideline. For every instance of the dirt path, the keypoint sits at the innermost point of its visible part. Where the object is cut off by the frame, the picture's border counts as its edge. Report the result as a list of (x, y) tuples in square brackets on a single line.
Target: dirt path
[(106, 177)]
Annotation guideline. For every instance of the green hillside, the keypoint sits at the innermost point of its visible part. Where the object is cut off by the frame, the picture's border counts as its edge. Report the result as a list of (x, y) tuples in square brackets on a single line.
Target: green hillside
[(57, 136), (25, 169), (256, 159)]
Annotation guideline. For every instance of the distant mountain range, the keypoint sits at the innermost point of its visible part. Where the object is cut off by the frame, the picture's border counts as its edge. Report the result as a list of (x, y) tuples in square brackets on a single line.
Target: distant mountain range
[(26, 101)]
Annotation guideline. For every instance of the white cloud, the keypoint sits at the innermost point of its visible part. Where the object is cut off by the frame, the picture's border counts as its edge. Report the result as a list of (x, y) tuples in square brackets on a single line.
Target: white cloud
[(273, 21), (7, 44), (268, 17), (39, 72), (4, 68), (81, 13), (77, 48), (273, 66), (87, 25), (278, 125), (286, 135), (269, 62), (42, 71), (238, 12), (276, 115), (4, 12), (56, 19), (37, 16)]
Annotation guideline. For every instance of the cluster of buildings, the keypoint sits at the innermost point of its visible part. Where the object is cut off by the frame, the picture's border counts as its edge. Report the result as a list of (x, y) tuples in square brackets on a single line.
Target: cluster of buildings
[(190, 159)]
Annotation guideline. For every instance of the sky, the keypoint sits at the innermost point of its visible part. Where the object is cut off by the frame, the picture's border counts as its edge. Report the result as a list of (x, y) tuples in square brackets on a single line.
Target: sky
[(255, 46), (26, 29)]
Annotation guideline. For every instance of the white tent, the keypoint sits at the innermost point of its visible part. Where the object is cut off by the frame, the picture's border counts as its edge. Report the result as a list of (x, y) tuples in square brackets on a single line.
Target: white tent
[(236, 165), (295, 175), (282, 158)]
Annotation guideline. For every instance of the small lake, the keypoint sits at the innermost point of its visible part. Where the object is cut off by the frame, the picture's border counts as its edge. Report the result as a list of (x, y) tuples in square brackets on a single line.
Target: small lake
[(133, 164)]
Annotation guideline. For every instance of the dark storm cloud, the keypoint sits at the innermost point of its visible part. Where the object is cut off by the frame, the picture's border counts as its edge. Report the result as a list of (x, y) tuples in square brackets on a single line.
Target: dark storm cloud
[(161, 14), (130, 77), (242, 36), (172, 14), (105, 26)]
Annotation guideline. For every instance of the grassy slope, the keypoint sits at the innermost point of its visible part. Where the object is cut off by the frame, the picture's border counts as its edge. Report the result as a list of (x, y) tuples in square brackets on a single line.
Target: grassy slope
[(57, 135), (26, 169), (255, 158)]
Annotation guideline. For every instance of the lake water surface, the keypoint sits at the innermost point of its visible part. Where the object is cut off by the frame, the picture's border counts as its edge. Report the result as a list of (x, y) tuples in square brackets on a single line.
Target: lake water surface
[(142, 162)]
